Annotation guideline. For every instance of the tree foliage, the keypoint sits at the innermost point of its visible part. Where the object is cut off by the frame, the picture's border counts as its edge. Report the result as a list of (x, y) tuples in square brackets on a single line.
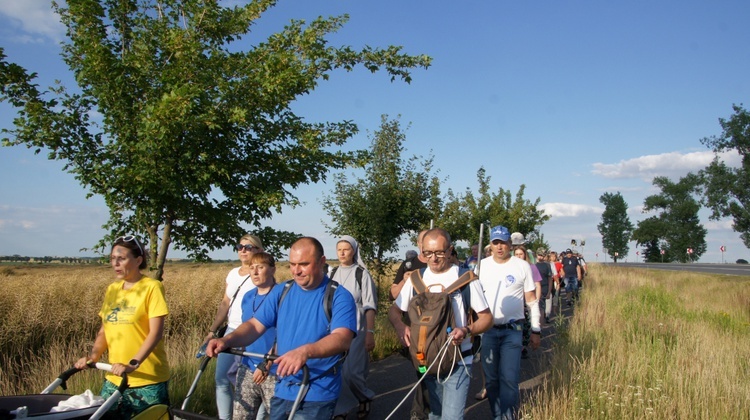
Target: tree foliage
[(394, 198), (727, 189), (677, 227), (197, 137), (463, 214), (615, 227)]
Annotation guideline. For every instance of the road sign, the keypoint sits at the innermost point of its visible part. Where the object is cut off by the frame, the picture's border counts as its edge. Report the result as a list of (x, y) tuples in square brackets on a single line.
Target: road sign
[(723, 248)]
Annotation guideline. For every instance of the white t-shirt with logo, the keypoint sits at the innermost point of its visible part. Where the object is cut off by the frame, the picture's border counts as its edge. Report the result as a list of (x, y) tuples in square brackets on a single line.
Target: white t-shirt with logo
[(504, 286)]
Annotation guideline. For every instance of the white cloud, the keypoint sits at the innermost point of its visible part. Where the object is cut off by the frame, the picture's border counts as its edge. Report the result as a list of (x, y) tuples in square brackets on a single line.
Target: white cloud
[(33, 17), (725, 224), (673, 164), (569, 210), (636, 210), (621, 189)]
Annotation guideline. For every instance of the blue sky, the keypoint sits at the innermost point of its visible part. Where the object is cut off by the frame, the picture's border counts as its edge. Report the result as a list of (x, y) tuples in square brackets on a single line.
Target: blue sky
[(572, 99)]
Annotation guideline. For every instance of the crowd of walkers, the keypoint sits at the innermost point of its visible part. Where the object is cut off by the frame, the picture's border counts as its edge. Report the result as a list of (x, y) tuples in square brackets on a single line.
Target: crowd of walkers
[(445, 312)]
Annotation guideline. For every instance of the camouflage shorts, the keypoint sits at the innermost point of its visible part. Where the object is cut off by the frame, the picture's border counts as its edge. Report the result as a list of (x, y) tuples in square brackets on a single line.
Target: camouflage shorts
[(248, 396)]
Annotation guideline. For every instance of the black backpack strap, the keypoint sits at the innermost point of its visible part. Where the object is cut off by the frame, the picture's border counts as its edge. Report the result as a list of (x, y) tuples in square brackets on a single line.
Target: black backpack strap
[(287, 286), (333, 272), (328, 300), (358, 276)]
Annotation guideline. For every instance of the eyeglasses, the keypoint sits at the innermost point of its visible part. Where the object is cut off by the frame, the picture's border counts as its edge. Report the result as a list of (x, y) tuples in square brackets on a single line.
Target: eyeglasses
[(436, 254), (246, 247), (131, 238)]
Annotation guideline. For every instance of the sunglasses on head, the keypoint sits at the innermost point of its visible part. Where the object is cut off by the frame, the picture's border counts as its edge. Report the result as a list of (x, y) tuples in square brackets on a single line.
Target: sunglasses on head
[(246, 247), (130, 238)]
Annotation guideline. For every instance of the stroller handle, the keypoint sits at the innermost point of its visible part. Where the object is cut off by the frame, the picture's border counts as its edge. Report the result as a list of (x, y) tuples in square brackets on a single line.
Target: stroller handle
[(62, 380), (270, 357)]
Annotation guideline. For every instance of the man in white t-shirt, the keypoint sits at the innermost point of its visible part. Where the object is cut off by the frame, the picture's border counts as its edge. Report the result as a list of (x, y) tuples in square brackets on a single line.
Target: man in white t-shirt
[(508, 285), (447, 396)]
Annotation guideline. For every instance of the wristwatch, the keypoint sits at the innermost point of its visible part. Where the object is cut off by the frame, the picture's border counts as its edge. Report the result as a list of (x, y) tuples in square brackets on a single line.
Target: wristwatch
[(134, 363), (537, 332)]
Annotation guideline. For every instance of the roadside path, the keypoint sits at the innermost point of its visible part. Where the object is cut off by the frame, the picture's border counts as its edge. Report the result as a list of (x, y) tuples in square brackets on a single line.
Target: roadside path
[(393, 377)]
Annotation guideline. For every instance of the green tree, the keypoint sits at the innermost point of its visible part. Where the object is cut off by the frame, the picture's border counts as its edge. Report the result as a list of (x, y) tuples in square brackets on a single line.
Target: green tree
[(615, 227), (652, 251), (394, 198), (197, 137), (463, 214), (727, 189), (677, 227)]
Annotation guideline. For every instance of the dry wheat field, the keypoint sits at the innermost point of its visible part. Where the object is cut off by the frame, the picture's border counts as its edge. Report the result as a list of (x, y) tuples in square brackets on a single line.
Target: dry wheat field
[(642, 344)]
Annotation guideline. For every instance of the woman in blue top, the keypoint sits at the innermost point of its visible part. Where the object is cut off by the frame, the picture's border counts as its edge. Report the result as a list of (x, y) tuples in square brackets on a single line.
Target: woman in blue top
[(255, 380)]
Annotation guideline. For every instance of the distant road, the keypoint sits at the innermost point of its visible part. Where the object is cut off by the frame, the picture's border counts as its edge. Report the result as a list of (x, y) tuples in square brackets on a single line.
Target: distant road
[(728, 269)]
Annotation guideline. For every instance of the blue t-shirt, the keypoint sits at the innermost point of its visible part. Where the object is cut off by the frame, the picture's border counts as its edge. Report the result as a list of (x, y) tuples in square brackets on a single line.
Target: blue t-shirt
[(251, 303), (302, 320)]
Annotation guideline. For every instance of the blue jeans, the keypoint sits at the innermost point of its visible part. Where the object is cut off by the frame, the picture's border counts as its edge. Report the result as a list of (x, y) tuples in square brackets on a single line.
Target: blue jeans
[(307, 410), (224, 392), (501, 362), (571, 284), (448, 400)]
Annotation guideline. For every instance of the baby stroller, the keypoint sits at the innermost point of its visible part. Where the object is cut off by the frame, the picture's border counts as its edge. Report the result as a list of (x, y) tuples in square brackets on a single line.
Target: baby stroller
[(39, 406), (183, 414)]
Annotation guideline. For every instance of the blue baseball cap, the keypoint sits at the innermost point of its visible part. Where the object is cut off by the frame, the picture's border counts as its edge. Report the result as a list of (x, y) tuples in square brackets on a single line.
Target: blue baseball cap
[(499, 232)]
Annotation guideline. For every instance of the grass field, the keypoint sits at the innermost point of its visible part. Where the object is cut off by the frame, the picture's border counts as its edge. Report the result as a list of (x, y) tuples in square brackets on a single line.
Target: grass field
[(642, 344), (652, 344)]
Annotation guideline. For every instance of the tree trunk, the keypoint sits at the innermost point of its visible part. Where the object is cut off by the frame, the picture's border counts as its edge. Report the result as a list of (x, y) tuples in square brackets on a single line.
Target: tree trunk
[(161, 258)]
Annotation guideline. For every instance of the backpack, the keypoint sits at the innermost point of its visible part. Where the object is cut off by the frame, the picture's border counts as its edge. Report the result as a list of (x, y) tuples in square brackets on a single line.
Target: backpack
[(357, 275), (430, 316)]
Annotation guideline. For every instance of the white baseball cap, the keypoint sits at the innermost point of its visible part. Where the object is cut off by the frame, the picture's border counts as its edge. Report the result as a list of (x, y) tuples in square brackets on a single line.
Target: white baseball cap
[(516, 238)]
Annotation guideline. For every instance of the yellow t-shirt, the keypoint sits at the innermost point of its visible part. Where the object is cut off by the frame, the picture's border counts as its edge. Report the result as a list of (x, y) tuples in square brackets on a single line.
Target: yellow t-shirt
[(125, 316)]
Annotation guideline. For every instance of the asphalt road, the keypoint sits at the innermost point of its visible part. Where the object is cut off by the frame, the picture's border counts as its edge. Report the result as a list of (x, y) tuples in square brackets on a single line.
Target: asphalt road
[(393, 377), (728, 269)]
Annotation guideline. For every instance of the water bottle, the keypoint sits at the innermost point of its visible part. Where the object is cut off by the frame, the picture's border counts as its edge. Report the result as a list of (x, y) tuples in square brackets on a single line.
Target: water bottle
[(201, 351)]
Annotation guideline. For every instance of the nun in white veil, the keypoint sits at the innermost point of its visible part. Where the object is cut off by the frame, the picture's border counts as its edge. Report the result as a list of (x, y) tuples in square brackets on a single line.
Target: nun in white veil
[(353, 275)]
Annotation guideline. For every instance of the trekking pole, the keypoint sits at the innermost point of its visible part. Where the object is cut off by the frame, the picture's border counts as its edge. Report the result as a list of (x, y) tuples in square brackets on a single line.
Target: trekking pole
[(479, 247), (194, 385)]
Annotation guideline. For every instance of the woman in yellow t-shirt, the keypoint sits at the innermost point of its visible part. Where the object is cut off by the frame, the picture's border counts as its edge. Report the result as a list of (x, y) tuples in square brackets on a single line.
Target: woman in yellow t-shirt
[(132, 316)]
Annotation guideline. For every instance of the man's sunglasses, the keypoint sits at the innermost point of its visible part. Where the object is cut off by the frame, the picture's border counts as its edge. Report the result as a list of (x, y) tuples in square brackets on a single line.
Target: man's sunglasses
[(130, 238), (246, 247)]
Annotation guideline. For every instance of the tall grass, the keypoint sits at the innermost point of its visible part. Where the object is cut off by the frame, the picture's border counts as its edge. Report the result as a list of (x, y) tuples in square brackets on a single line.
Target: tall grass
[(652, 344), (49, 320)]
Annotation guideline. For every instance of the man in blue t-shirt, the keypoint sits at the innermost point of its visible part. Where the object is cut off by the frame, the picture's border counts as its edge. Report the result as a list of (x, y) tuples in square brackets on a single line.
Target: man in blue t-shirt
[(304, 334)]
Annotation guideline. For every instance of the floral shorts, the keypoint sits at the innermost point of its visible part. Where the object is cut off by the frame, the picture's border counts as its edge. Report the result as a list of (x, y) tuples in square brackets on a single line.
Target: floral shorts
[(134, 400)]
